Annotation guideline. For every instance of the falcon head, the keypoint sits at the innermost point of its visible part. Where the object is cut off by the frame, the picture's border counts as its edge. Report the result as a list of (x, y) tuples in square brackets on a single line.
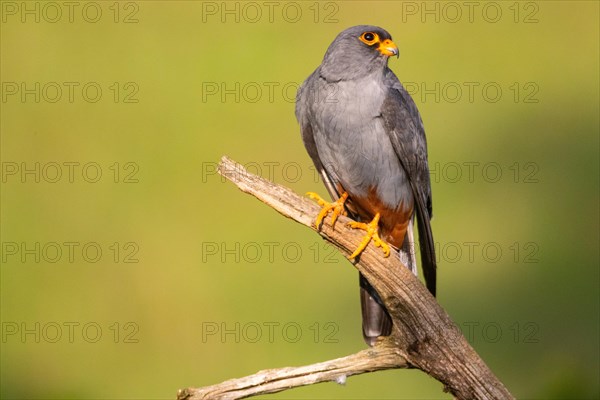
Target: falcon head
[(358, 51)]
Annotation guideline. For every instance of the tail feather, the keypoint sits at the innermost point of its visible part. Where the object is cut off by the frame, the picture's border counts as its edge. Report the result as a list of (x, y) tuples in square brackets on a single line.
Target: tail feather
[(407, 252), (375, 319), (427, 247)]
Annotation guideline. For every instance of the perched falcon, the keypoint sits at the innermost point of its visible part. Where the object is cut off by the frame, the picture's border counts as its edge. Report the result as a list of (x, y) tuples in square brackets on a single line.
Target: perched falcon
[(366, 138)]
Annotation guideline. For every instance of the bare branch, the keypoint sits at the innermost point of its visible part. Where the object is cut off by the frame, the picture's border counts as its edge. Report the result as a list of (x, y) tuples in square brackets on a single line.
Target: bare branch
[(277, 380), (423, 336)]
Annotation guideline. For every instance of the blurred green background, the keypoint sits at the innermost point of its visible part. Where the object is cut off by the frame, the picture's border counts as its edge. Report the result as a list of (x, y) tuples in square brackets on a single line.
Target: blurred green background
[(196, 282)]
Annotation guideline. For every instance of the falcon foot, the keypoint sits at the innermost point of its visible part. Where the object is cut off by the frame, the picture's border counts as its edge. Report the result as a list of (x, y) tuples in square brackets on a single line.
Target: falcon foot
[(337, 207), (372, 233)]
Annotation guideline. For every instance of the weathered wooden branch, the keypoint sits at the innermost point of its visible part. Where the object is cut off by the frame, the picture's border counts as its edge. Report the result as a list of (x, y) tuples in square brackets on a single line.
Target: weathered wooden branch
[(276, 380), (423, 336)]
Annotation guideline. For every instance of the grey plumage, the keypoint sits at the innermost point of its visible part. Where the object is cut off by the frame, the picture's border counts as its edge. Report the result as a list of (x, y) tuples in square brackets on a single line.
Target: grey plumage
[(364, 134)]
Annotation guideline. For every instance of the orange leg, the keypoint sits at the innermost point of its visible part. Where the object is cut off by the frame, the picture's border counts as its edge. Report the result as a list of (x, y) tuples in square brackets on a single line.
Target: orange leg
[(337, 207), (372, 230)]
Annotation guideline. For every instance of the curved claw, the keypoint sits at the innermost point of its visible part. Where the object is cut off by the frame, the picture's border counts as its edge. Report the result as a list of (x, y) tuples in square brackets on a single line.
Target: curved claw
[(372, 230), (336, 207)]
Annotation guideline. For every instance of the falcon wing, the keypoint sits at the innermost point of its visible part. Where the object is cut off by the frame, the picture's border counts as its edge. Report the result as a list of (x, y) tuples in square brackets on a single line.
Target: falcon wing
[(404, 126), (304, 98)]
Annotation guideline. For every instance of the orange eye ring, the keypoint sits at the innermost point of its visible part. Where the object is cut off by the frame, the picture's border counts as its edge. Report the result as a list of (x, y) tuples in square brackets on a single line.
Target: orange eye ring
[(369, 38)]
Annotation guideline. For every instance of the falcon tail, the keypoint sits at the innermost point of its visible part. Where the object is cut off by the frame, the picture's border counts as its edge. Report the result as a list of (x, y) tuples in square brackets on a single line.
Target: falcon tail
[(375, 319)]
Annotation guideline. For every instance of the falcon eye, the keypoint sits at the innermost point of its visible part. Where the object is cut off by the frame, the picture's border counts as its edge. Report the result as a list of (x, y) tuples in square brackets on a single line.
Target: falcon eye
[(369, 38)]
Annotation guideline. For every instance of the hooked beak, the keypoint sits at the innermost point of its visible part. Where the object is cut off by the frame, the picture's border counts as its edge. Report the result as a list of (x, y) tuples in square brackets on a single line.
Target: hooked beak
[(388, 48)]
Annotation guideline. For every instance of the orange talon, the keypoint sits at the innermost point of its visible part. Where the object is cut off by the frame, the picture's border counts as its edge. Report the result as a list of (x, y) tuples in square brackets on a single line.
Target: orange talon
[(337, 207), (372, 233)]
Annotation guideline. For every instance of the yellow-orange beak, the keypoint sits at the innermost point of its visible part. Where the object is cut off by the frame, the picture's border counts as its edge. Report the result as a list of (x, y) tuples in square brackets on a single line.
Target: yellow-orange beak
[(388, 48)]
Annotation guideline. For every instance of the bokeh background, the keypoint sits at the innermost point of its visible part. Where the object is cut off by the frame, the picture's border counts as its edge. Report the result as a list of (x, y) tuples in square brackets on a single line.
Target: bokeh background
[(157, 275)]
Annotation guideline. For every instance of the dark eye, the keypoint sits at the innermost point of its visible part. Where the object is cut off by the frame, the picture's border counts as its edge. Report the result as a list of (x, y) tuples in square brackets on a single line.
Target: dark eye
[(369, 38)]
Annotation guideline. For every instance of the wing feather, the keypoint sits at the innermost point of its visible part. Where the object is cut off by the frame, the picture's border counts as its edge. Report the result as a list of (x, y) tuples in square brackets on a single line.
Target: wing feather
[(404, 126)]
